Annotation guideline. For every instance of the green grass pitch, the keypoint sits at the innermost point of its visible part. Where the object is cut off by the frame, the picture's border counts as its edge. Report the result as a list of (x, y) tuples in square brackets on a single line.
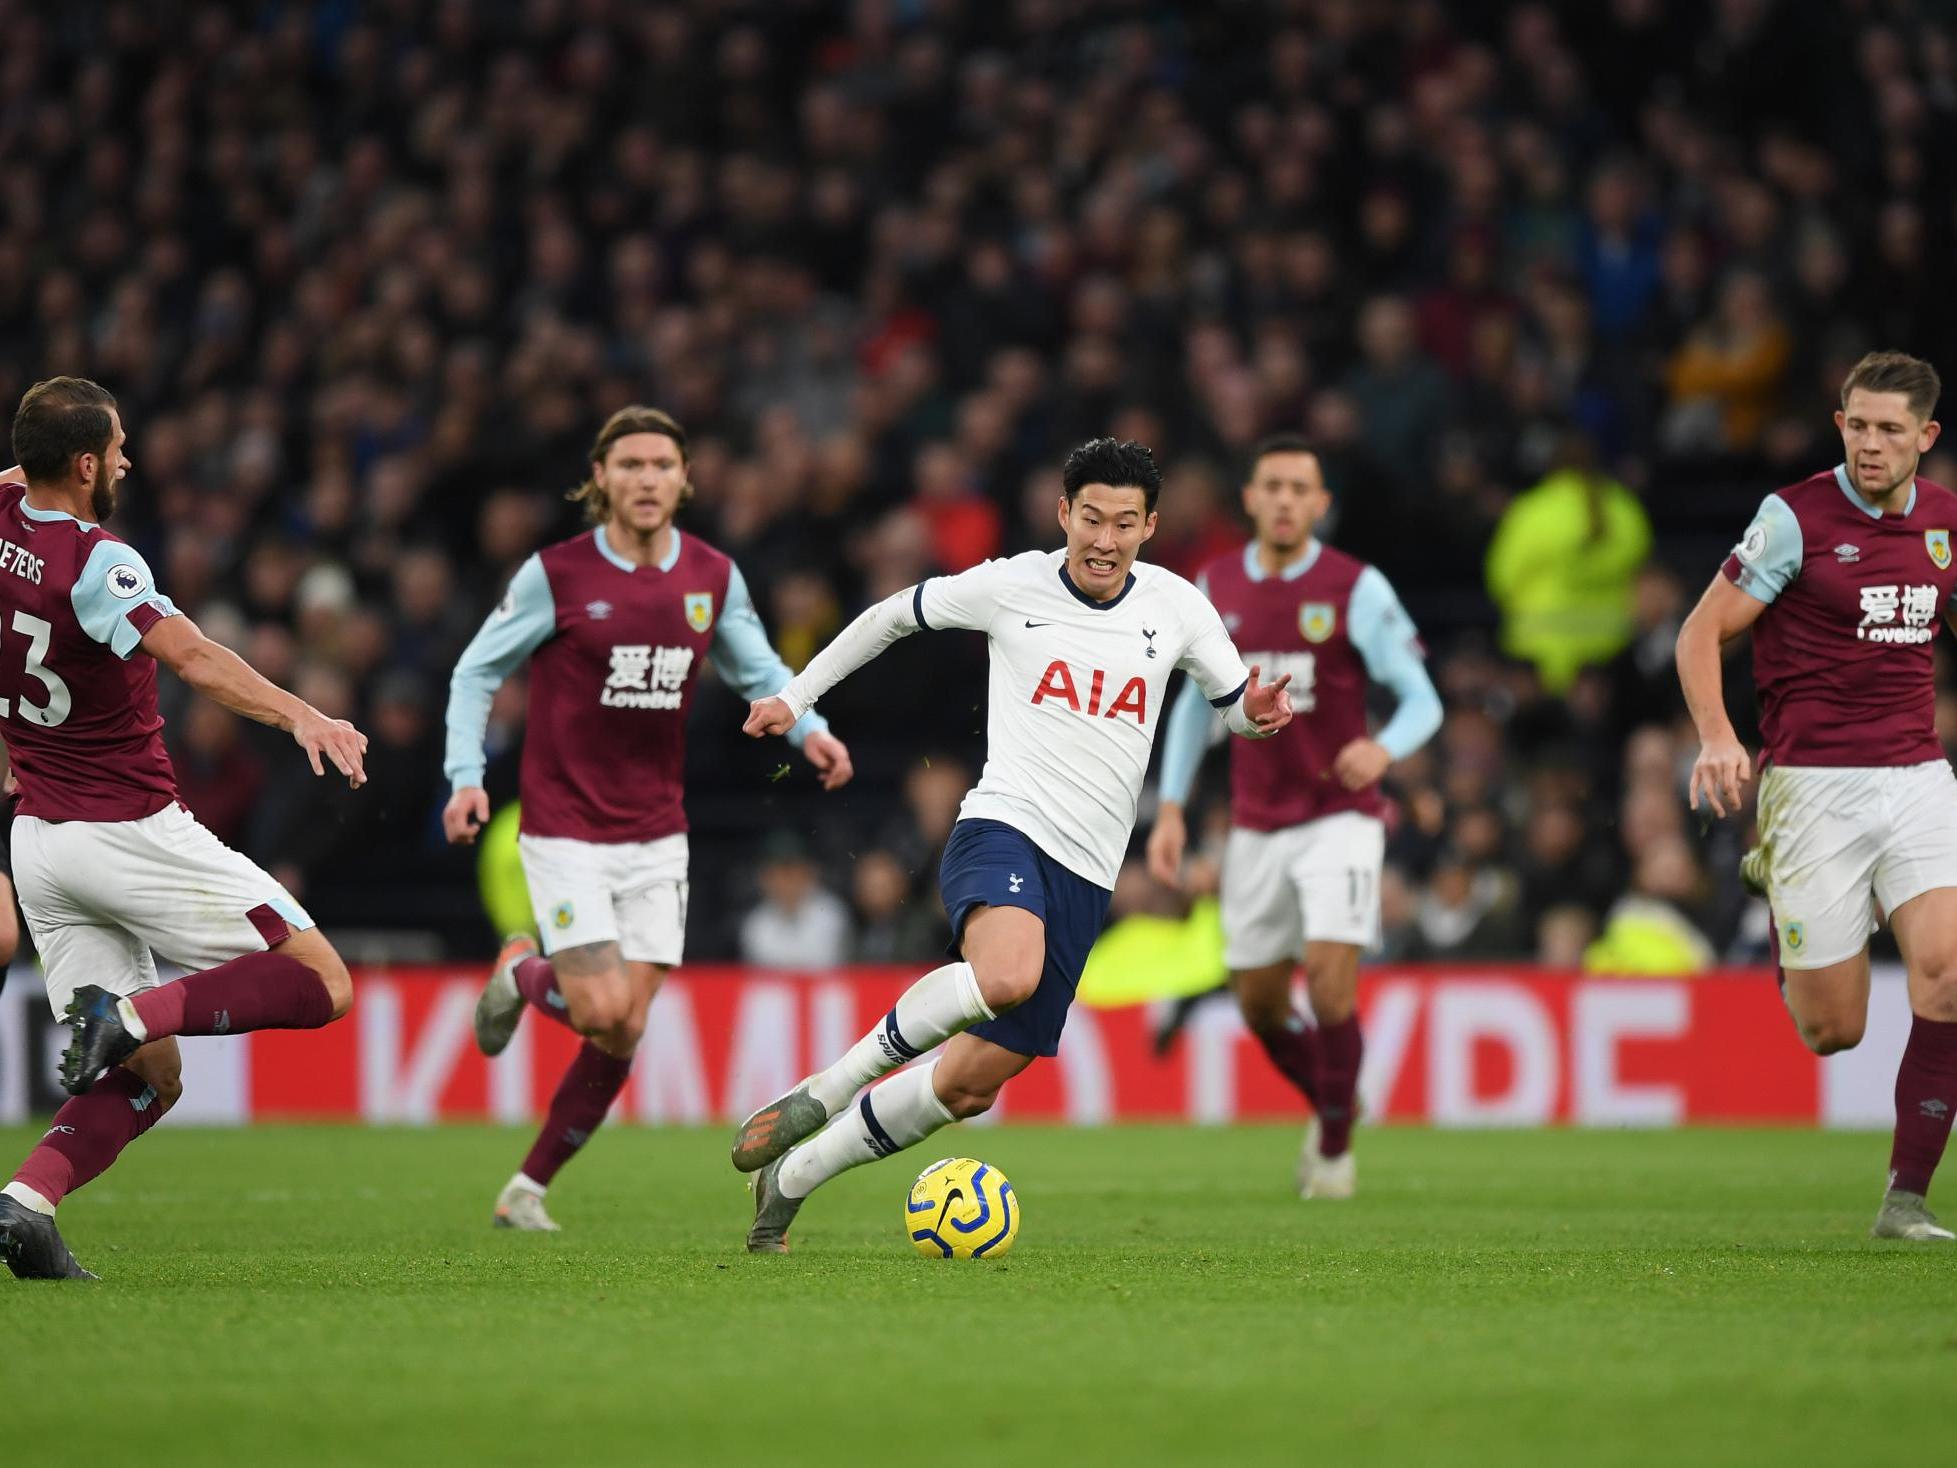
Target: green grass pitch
[(325, 1295)]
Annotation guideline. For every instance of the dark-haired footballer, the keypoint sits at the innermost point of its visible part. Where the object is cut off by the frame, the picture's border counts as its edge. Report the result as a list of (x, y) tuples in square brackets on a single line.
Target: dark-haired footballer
[(113, 872), (1083, 641), (1307, 842)]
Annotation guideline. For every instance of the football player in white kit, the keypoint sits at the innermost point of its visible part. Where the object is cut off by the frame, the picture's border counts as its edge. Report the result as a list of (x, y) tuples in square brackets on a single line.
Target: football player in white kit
[(1083, 641)]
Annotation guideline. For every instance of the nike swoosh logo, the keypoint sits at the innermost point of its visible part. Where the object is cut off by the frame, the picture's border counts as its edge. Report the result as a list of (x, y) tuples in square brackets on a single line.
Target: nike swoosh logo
[(1039, 624), (950, 1198)]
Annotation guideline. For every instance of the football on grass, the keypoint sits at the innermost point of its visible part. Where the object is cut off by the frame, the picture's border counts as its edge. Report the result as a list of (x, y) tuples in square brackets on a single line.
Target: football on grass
[(961, 1208)]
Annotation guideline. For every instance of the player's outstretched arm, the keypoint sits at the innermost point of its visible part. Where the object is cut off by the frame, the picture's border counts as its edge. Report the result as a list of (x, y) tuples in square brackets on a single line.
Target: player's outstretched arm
[(872, 631), (222, 676), (1722, 767)]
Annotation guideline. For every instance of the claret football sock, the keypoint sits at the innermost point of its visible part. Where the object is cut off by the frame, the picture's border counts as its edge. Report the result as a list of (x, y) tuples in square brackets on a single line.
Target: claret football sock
[(1340, 1047), (89, 1132), (1294, 1051), (577, 1110), (902, 1111), (260, 991), (1926, 1092), (536, 981), (938, 1006)]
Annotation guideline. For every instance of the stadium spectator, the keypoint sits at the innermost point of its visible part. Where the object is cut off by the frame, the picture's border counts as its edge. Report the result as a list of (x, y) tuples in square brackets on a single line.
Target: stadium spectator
[(366, 274), (1562, 566), (893, 924), (798, 923)]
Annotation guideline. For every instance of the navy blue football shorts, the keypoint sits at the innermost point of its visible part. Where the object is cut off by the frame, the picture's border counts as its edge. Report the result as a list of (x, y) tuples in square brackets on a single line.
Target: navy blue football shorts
[(989, 863)]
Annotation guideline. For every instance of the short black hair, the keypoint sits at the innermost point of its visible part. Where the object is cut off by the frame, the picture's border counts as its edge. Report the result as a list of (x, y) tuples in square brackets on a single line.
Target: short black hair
[(58, 419), (1277, 443), (1119, 463)]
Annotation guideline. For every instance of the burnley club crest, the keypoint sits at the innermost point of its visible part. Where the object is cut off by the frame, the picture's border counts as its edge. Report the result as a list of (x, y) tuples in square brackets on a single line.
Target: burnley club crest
[(699, 610), (1937, 542), (1317, 619)]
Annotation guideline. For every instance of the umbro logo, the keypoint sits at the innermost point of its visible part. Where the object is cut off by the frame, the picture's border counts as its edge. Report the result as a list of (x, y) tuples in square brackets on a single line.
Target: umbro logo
[(1933, 1108), (597, 610), (1846, 554)]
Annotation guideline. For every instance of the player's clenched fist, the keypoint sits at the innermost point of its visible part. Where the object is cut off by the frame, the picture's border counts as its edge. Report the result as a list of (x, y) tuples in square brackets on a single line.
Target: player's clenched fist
[(1719, 771), (767, 716), (1361, 763), (466, 813)]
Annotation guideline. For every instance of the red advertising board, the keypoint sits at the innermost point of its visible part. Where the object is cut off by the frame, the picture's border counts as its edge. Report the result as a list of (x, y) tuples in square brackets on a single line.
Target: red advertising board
[(1493, 1046), (1458, 1047)]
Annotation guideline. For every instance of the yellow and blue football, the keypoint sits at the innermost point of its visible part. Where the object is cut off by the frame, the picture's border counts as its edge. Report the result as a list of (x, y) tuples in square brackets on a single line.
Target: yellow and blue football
[(961, 1208)]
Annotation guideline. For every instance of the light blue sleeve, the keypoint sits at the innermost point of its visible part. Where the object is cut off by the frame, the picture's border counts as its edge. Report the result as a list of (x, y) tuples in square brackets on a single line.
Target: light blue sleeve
[(114, 582), (746, 659), (1770, 552), (1390, 647), (1192, 726), (521, 623)]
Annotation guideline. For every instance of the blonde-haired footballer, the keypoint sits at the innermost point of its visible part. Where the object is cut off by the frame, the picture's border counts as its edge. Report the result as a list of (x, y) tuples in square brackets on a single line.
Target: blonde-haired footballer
[(615, 624)]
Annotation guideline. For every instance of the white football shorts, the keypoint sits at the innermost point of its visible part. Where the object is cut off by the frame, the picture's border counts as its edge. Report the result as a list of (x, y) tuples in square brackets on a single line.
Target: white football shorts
[(1835, 838), (632, 893), (1313, 883), (104, 899)]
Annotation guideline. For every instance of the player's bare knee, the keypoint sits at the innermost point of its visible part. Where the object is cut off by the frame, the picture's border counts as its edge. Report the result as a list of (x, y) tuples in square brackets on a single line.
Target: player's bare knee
[(1263, 1012), (1831, 1034), (598, 1015), (1933, 992), (1008, 984)]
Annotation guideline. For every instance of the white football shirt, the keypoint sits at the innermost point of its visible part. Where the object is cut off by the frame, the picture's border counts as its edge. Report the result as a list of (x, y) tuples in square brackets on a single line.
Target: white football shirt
[(1076, 690)]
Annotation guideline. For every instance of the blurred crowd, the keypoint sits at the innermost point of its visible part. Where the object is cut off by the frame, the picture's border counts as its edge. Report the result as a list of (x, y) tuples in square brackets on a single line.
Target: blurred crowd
[(1559, 290)]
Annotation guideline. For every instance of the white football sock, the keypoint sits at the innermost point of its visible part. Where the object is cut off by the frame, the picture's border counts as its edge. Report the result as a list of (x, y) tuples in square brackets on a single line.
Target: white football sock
[(28, 1198), (132, 1022), (931, 1011), (901, 1112)]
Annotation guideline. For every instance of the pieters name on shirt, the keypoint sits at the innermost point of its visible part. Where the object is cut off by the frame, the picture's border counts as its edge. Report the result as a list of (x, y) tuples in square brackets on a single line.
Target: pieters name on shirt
[(1059, 682), (13, 558), (647, 677)]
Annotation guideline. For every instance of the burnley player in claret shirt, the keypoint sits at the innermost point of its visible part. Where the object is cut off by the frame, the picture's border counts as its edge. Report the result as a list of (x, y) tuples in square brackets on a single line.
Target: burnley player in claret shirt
[(1307, 842), (113, 872), (1845, 579), (616, 625)]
